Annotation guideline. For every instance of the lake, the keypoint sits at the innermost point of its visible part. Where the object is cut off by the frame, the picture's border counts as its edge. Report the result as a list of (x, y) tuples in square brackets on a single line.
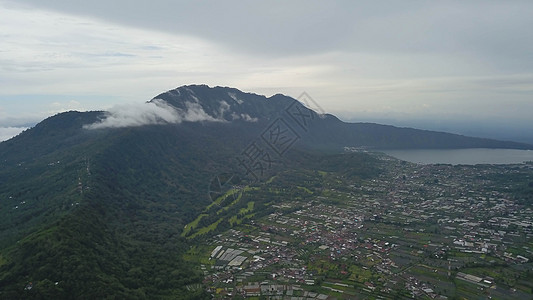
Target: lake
[(462, 156)]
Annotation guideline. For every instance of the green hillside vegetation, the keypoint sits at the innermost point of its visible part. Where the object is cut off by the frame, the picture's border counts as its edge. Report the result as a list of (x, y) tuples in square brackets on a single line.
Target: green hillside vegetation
[(192, 225), (92, 214), (244, 213), (207, 229), (87, 214), (106, 219), (238, 206)]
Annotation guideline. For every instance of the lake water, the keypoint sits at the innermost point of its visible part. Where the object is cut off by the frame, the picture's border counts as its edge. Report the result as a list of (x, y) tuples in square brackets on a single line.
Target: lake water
[(463, 156)]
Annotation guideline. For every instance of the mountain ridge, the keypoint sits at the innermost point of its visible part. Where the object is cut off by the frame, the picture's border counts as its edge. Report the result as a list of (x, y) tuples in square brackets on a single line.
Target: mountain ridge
[(216, 99), (88, 212), (224, 105)]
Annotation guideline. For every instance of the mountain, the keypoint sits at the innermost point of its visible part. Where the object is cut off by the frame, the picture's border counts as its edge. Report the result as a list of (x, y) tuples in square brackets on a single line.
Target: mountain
[(94, 204), (229, 104)]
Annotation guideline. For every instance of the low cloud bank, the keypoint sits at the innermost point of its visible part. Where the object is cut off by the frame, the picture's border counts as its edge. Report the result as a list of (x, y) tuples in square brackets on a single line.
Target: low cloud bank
[(155, 112), (8, 132), (245, 117)]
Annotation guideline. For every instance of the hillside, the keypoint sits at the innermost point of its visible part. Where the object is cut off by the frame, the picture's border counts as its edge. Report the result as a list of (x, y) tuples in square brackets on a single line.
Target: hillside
[(105, 215), (92, 205)]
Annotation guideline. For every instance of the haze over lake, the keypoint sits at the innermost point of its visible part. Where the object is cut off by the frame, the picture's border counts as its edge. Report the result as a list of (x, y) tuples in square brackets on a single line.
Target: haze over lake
[(463, 156)]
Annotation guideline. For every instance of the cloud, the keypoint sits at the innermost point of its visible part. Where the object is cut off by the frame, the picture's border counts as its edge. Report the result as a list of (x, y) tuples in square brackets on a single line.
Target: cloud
[(245, 117), (357, 59), (195, 113), (492, 28), (8, 132), (155, 112), (224, 106)]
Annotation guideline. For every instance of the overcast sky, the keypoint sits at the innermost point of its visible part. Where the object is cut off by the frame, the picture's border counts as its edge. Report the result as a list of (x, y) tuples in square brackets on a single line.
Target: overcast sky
[(426, 63)]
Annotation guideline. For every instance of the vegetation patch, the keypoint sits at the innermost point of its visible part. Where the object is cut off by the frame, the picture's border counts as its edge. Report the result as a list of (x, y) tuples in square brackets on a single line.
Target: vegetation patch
[(187, 229), (207, 229)]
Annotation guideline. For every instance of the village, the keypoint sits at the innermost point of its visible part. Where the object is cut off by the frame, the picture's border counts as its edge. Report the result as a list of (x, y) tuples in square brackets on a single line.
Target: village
[(417, 231)]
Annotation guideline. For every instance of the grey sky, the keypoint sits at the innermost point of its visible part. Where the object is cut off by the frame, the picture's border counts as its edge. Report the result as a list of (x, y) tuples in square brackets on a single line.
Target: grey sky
[(395, 61)]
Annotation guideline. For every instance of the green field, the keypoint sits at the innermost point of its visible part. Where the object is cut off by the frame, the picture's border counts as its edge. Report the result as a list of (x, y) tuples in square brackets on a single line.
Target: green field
[(187, 229)]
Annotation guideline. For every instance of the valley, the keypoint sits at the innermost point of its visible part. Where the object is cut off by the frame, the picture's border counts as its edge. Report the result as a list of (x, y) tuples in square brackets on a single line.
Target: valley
[(413, 231)]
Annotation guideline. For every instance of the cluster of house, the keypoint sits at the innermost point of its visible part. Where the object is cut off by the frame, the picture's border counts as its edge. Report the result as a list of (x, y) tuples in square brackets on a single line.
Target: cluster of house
[(471, 218)]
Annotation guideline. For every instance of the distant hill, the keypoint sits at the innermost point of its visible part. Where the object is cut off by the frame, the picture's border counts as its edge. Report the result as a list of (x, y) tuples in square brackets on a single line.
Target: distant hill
[(325, 131), (93, 204)]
